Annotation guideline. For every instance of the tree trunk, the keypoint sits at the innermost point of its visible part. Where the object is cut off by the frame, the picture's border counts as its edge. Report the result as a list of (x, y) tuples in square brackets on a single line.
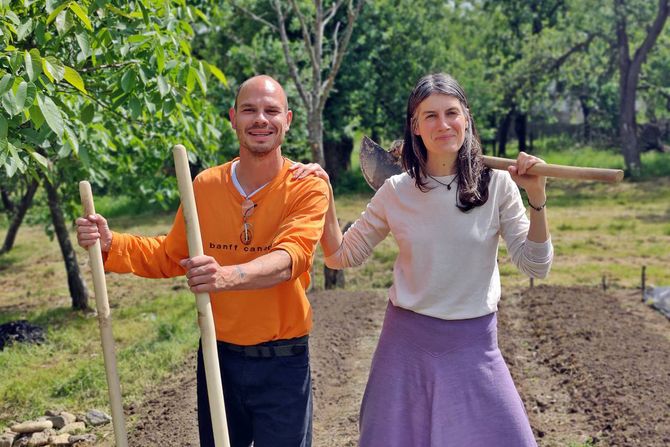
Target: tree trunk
[(338, 157), (520, 126), (6, 201), (502, 133), (586, 111), (315, 137), (627, 130), (627, 125), (334, 279), (18, 214), (78, 290), (629, 74)]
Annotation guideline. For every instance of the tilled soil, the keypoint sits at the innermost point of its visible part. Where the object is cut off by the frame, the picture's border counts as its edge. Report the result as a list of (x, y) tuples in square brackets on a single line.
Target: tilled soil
[(590, 366)]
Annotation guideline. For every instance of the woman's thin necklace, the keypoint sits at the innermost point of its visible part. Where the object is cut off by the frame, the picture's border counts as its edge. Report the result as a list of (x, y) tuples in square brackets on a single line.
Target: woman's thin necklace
[(448, 185)]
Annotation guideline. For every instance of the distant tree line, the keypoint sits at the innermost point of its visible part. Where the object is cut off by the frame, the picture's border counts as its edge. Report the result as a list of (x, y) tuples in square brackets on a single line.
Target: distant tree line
[(101, 89)]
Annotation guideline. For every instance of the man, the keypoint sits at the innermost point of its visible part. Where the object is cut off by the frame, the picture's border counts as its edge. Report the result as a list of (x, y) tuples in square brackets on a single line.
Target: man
[(259, 230)]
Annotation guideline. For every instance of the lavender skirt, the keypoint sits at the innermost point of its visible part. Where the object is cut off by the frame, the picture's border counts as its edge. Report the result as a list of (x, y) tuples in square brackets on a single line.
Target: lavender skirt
[(441, 383)]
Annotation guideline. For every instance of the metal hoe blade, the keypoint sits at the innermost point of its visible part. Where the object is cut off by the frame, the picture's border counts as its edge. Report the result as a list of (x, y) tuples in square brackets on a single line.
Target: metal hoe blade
[(377, 164)]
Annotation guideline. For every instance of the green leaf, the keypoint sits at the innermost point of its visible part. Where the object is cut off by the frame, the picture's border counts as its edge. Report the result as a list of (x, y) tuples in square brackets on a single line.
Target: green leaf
[(185, 47), (14, 102), (55, 12), (190, 79), (79, 11), (52, 4), (135, 108), (64, 22), (87, 113), (118, 11), (5, 83), (168, 106), (28, 60), (145, 14), (200, 14), (33, 63), (53, 68), (39, 158), (71, 140), (24, 30), (84, 43), (3, 127), (163, 86), (65, 150), (72, 77), (150, 106), (202, 79), (160, 58), (36, 116), (10, 165), (218, 74), (16, 162), (138, 38), (31, 92), (11, 15), (83, 156), (52, 114), (128, 80)]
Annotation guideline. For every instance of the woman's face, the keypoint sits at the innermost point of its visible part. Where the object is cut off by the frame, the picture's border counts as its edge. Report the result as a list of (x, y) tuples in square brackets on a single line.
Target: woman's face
[(441, 123)]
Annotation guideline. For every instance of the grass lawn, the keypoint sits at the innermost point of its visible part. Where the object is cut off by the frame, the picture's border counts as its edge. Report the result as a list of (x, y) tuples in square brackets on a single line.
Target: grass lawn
[(598, 230)]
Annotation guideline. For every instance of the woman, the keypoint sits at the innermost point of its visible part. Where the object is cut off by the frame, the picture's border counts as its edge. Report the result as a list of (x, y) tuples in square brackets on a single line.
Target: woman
[(437, 377)]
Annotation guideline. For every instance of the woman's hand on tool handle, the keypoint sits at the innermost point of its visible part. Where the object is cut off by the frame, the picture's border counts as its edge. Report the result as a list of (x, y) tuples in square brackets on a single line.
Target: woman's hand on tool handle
[(90, 229), (533, 184)]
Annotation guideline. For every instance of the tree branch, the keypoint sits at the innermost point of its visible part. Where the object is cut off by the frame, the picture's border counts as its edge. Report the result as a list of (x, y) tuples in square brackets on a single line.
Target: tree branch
[(336, 43), (254, 16), (293, 69), (352, 15), (653, 33), (106, 66), (333, 10), (305, 33), (621, 33)]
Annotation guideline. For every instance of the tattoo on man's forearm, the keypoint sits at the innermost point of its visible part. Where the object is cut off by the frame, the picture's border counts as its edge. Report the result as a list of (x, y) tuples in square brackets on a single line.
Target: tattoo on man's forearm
[(240, 272)]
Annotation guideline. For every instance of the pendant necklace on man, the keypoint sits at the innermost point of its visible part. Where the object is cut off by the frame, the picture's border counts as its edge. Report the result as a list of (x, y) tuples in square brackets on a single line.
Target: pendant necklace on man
[(448, 185)]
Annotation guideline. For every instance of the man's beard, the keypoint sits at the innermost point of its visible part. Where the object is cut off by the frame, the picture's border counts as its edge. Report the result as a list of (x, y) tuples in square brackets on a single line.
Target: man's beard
[(261, 151)]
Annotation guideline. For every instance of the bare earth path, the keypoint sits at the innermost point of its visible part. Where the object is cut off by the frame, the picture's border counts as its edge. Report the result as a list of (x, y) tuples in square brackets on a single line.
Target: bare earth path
[(588, 365)]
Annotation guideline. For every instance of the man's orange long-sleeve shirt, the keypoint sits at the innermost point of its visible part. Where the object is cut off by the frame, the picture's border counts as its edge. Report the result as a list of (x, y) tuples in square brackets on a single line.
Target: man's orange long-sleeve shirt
[(289, 216)]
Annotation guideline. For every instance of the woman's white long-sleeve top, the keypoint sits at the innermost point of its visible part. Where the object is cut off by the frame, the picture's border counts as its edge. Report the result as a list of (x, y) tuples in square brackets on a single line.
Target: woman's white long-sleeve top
[(447, 264)]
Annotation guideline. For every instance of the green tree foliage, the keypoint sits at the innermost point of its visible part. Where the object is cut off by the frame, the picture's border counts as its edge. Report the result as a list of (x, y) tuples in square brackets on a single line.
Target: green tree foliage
[(101, 90), (111, 85)]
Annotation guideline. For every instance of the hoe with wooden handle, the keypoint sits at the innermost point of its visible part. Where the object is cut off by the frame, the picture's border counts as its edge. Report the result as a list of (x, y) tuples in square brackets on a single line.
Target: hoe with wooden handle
[(105, 322), (205, 318), (378, 164)]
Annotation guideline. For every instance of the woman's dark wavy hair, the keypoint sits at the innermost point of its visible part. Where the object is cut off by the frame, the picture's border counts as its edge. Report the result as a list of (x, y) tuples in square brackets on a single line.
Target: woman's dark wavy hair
[(473, 176)]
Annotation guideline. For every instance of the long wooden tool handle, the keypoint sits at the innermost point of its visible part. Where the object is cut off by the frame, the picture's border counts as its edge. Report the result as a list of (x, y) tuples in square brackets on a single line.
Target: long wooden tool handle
[(105, 323), (205, 318), (549, 170)]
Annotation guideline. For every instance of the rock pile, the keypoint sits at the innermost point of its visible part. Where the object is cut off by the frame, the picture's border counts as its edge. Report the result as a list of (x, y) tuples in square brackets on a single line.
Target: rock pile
[(55, 429)]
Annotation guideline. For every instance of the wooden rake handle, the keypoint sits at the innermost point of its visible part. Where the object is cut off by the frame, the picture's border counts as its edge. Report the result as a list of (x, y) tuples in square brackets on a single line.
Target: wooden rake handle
[(559, 171), (205, 317), (105, 323)]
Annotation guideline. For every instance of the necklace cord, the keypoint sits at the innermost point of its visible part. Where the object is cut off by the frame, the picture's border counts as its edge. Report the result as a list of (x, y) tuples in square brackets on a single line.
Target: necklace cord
[(448, 185)]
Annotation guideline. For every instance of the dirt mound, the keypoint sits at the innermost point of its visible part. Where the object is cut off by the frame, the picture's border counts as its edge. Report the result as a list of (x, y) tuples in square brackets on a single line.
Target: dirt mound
[(589, 366), (609, 352)]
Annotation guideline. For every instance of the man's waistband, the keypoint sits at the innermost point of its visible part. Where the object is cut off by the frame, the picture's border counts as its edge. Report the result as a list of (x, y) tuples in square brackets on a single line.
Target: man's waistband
[(276, 348)]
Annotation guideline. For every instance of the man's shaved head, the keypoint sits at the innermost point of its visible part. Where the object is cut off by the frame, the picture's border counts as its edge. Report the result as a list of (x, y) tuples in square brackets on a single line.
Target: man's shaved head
[(260, 116), (265, 82)]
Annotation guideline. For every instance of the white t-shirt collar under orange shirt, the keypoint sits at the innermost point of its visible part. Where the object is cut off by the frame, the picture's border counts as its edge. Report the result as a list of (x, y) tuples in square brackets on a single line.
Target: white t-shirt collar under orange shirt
[(237, 183)]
